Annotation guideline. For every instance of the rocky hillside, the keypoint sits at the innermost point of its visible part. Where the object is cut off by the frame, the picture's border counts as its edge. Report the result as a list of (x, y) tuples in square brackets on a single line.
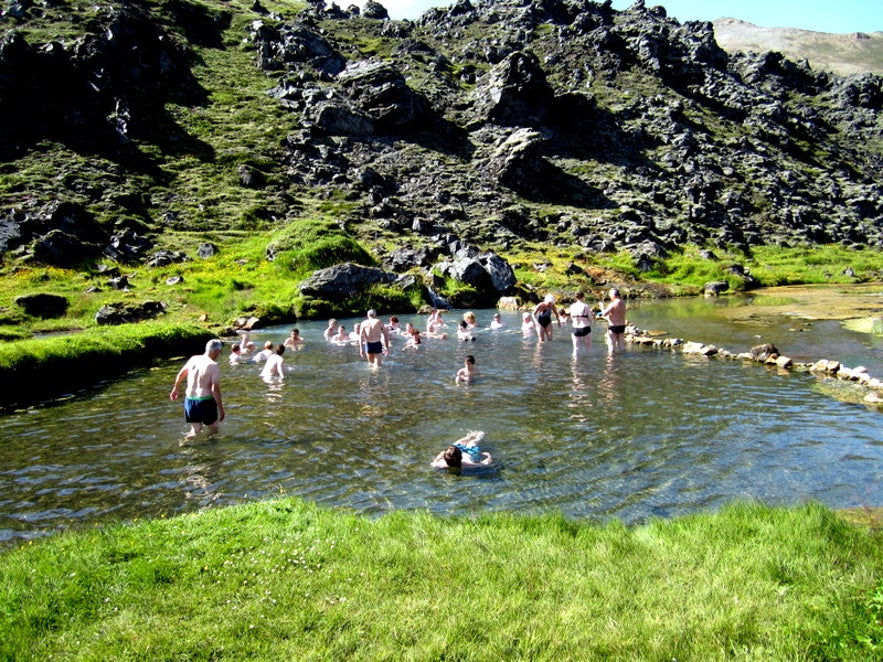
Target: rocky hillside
[(448, 144), (842, 54)]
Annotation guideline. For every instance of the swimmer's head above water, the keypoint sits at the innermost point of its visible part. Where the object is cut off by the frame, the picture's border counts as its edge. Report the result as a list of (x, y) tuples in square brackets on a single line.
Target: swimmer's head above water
[(453, 457)]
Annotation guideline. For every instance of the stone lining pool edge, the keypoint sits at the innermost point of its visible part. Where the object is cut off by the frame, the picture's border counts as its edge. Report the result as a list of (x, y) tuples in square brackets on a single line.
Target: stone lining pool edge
[(766, 355)]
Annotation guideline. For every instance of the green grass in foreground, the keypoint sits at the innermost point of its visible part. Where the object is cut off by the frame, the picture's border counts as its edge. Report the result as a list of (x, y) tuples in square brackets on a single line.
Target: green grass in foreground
[(288, 580)]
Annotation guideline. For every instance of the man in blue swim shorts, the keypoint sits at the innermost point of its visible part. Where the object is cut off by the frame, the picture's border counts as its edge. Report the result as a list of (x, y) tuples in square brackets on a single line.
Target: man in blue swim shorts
[(203, 404), (373, 339)]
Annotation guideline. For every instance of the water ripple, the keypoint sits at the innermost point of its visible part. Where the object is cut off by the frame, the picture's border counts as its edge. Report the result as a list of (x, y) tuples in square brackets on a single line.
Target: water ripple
[(645, 434)]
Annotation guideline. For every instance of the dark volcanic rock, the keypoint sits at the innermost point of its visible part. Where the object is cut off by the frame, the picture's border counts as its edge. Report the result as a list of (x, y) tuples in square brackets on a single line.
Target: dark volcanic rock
[(380, 92), (45, 306), (486, 272), (207, 250), (375, 10), (61, 249), (127, 246), (514, 93), (343, 280), (481, 124), (114, 314), (96, 90)]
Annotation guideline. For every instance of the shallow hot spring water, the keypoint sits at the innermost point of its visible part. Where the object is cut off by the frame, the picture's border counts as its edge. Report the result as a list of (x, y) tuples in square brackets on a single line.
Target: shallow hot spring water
[(641, 434)]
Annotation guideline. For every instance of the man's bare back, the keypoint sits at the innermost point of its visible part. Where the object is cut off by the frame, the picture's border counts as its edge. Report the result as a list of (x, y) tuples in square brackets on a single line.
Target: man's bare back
[(372, 330), (202, 375), (373, 339)]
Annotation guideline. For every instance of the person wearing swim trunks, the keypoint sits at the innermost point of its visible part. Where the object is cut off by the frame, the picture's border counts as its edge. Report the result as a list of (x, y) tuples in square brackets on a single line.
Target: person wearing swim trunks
[(373, 339), (581, 323), (615, 316), (542, 317), (462, 453), (203, 404)]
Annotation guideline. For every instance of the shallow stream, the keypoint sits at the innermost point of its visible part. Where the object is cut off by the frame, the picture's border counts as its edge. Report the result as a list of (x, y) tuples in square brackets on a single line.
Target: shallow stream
[(641, 434)]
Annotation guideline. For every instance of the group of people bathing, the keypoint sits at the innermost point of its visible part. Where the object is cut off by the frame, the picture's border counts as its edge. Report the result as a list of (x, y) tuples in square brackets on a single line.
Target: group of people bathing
[(244, 351), (466, 452), (203, 402), (580, 314), (538, 321)]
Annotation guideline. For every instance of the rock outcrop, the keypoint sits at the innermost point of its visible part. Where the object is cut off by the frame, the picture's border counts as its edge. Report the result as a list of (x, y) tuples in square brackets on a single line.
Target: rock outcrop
[(494, 125)]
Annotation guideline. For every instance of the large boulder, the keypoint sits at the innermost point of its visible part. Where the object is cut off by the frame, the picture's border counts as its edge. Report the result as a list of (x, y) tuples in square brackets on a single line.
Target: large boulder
[(375, 10), (515, 159), (514, 93), (295, 43), (486, 272), (61, 234), (501, 272), (344, 280), (44, 306), (62, 249), (379, 91), (338, 118), (113, 314)]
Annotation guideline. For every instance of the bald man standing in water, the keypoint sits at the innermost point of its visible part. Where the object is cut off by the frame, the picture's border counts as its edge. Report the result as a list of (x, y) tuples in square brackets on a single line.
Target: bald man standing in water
[(203, 404), (615, 316), (373, 339)]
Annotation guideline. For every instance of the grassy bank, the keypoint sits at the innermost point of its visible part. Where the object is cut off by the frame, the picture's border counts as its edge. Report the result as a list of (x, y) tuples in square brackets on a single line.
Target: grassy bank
[(289, 580), (50, 366), (241, 281)]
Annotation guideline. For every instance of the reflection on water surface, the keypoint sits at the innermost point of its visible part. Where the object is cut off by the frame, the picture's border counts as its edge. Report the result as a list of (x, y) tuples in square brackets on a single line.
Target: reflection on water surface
[(642, 434)]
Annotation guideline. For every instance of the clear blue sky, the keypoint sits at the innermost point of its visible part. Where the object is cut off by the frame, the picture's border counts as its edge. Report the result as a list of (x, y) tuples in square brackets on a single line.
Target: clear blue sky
[(818, 15)]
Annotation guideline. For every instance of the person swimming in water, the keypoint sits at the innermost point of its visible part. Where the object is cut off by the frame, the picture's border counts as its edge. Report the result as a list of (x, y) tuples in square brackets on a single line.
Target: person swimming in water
[(414, 341), (331, 331), (528, 327), (294, 341), (463, 453), (273, 372), (464, 332), (468, 372)]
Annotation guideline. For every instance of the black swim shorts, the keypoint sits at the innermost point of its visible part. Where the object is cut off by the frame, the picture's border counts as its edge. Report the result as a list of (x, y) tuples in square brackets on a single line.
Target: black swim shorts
[(200, 410)]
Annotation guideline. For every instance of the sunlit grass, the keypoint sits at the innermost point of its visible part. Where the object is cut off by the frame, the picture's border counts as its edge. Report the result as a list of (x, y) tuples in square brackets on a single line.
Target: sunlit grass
[(289, 580), (818, 264)]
